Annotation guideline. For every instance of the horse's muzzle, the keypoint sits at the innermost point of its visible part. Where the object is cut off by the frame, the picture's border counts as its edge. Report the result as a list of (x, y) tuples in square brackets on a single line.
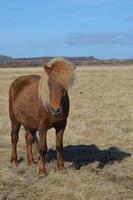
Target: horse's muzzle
[(56, 111)]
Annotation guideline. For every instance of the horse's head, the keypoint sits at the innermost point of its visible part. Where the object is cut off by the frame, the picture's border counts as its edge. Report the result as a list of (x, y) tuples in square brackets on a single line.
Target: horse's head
[(56, 79), (56, 92)]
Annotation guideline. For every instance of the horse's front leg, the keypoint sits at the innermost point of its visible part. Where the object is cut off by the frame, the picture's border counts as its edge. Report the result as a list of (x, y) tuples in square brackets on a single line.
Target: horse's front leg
[(59, 146), (42, 150)]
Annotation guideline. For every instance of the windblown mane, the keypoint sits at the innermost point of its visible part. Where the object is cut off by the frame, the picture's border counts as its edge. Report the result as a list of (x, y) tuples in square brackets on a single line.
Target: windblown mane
[(62, 72), (44, 94)]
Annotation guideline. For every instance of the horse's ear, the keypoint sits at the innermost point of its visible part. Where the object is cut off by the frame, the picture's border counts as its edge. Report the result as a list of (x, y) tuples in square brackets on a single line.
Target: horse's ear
[(47, 69)]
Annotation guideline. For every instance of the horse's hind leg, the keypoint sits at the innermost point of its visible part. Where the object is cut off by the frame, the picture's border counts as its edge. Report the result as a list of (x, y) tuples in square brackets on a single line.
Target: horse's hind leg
[(29, 137), (14, 139)]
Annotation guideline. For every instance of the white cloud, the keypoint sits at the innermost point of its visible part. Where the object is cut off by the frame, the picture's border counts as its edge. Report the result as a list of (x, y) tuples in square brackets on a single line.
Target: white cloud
[(81, 39), (129, 18)]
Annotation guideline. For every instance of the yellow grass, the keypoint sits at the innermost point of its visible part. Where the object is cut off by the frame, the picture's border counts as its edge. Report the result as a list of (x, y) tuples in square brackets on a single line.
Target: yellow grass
[(99, 130)]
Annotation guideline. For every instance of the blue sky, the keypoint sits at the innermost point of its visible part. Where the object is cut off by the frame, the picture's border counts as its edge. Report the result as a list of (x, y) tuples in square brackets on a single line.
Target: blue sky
[(100, 28)]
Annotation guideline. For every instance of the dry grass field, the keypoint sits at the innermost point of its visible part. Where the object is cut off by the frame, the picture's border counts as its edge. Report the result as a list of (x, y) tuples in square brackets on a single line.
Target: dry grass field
[(98, 141)]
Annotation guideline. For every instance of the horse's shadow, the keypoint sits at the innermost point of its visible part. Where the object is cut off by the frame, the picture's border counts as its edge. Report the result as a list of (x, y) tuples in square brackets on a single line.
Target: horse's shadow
[(82, 155)]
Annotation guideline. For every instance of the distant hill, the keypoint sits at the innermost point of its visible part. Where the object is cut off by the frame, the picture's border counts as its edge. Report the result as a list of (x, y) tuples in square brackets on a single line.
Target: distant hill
[(6, 61)]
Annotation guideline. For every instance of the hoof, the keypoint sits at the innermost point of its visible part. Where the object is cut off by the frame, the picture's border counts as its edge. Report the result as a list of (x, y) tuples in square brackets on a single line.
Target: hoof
[(60, 167), (32, 162), (40, 176), (14, 163)]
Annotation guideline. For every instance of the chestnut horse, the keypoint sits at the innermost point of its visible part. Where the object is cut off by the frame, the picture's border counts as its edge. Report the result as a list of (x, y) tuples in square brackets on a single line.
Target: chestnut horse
[(40, 103)]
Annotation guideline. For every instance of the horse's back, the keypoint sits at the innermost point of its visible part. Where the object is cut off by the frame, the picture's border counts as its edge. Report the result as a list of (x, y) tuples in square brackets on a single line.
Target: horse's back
[(23, 81)]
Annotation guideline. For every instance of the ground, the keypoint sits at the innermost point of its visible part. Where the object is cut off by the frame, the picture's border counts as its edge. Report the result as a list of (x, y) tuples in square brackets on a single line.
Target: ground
[(98, 141)]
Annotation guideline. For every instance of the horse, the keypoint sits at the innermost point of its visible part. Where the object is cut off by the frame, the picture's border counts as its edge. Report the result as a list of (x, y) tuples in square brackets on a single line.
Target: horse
[(39, 103)]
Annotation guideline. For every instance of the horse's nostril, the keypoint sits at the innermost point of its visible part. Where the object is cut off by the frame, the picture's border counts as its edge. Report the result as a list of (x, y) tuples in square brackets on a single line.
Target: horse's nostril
[(56, 111)]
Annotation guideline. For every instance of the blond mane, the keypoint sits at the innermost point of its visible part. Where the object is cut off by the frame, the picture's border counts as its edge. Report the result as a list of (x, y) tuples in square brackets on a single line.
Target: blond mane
[(62, 72), (44, 95)]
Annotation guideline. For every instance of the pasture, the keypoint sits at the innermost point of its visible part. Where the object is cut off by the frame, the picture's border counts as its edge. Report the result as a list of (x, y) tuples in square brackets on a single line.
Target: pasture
[(98, 141)]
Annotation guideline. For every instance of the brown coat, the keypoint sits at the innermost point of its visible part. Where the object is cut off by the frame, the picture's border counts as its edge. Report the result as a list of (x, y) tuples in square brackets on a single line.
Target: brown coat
[(27, 108)]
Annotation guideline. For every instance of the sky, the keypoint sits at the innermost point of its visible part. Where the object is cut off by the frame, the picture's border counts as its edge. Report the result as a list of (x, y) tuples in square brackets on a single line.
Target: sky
[(100, 28)]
